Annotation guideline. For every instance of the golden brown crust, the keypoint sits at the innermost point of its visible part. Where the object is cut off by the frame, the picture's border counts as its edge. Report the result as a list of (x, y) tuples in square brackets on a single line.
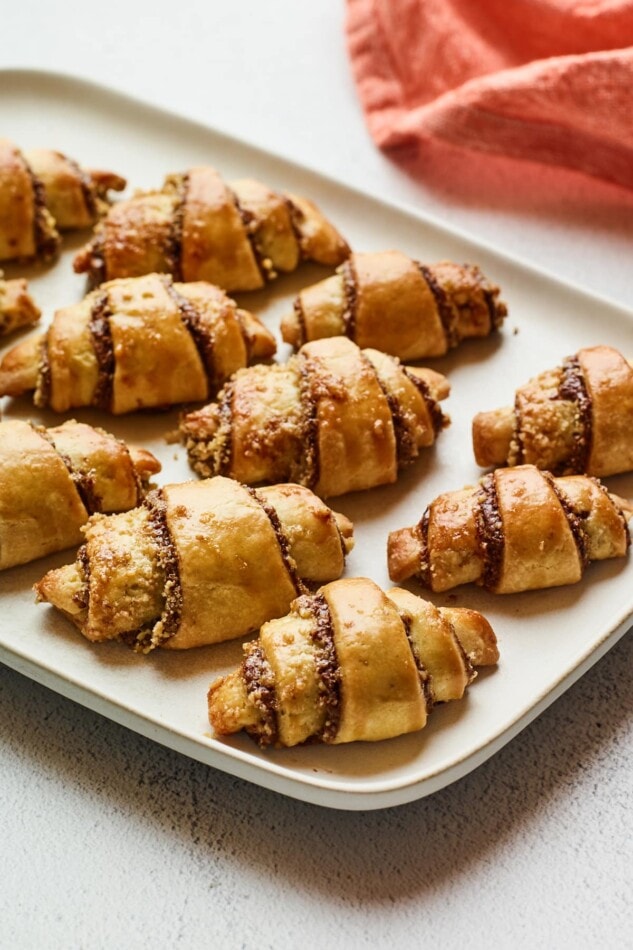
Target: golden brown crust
[(350, 663), (576, 418), (27, 230), (51, 480), (136, 343), (520, 529), (75, 196), (17, 307), (333, 417), (390, 302), (201, 562), (197, 227)]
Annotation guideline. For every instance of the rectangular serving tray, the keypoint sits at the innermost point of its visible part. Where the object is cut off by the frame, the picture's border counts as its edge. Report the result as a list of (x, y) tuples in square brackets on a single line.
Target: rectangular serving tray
[(547, 639)]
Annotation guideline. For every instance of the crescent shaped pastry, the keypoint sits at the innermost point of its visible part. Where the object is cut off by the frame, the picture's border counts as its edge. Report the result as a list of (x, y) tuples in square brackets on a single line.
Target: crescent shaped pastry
[(52, 480), (351, 663), (574, 419), (519, 529), (43, 192), (388, 301), (334, 417), (198, 563), (136, 344), (197, 227)]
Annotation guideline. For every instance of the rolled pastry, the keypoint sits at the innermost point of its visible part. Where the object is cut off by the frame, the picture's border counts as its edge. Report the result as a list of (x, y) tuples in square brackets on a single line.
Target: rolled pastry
[(17, 307), (575, 419), (334, 417), (519, 529), (351, 663), (388, 301), (197, 227), (135, 344), (52, 480), (41, 193), (198, 563)]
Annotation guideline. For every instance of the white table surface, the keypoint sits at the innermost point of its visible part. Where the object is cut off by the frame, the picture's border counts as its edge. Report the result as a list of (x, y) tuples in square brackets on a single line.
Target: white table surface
[(109, 840)]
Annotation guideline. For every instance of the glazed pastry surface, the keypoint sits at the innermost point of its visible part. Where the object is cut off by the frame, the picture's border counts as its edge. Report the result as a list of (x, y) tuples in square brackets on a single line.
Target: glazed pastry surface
[(17, 307), (43, 192), (135, 344), (197, 227), (574, 419), (52, 480), (519, 529), (198, 563), (390, 302), (351, 663), (334, 417)]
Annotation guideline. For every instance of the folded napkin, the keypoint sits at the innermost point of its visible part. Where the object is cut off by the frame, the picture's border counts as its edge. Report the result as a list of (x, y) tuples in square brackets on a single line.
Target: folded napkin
[(550, 81)]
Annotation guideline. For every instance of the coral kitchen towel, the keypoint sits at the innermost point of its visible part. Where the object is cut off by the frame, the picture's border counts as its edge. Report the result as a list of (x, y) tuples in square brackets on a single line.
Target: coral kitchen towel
[(545, 80)]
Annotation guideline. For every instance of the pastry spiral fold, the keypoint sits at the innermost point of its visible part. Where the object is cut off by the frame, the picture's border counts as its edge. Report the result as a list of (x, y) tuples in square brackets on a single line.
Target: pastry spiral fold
[(198, 563), (197, 227), (136, 344), (17, 307), (351, 663), (334, 417), (52, 480), (388, 301), (43, 192), (574, 419), (519, 529)]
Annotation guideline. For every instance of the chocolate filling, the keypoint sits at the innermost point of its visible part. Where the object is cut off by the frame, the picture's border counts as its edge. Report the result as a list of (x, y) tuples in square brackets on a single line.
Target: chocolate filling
[(173, 250), (146, 639), (489, 526), (423, 673), (97, 269), (224, 461), (84, 482), (574, 520), (496, 310), (424, 570), (438, 419), (519, 453), (104, 351), (82, 596), (350, 290), (200, 333), (85, 182), (310, 426), (259, 680), (264, 264), (573, 389), (443, 304), (327, 666), (297, 218), (406, 448), (282, 541), (45, 237)]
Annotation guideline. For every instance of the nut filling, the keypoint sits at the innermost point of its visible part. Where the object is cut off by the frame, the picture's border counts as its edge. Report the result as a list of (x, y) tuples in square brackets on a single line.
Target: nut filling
[(489, 525), (438, 419), (443, 305), (423, 675), (104, 351), (327, 667), (260, 686), (350, 291), (310, 463), (146, 639), (572, 388), (282, 541), (42, 393), (200, 334), (173, 250), (574, 520), (84, 482), (406, 448), (46, 241)]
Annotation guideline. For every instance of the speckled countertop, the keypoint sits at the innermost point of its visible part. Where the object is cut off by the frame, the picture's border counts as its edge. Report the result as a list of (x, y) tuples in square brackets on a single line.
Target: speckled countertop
[(109, 840)]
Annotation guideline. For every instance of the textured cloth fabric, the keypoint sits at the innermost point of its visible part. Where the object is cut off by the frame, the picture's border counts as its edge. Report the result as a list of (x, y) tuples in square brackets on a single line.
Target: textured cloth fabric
[(550, 81)]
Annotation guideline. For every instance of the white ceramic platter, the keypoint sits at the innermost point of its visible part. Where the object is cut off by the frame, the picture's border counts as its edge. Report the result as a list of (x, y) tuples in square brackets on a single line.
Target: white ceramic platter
[(547, 639)]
